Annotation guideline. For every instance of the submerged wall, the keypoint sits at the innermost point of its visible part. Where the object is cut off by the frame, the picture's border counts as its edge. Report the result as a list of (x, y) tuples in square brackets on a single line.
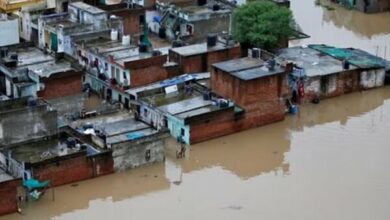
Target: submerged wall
[(131, 154), (72, 168), (8, 196)]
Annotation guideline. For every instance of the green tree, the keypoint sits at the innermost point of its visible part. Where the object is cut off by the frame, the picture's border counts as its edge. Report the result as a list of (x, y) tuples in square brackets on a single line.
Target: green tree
[(262, 24)]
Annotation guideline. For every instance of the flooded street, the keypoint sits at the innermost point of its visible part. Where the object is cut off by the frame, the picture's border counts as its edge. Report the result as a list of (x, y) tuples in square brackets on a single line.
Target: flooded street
[(329, 162), (342, 27)]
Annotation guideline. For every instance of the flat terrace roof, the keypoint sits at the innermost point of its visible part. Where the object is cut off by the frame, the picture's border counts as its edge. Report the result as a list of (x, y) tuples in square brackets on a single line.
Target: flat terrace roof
[(7, 105), (121, 53), (356, 57), (30, 55), (248, 68), (38, 62), (239, 64), (173, 81), (46, 149), (201, 10), (65, 23), (118, 127), (86, 7), (196, 49), (312, 61), (104, 45), (49, 68)]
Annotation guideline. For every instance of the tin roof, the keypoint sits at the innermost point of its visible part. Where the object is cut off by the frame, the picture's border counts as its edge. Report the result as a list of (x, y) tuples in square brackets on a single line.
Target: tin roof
[(312, 61), (357, 57)]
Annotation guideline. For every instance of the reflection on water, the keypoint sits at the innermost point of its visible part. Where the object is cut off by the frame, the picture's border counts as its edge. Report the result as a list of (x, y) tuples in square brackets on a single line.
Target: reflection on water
[(342, 27), (329, 162)]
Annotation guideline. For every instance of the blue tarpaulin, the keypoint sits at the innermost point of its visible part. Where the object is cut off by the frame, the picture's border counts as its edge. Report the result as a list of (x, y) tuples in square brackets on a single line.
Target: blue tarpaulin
[(135, 135), (32, 184)]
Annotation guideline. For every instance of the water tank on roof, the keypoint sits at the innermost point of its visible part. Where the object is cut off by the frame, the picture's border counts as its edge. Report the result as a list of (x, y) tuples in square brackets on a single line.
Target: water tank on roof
[(3, 52), (143, 48), (14, 56), (271, 64), (126, 40), (211, 40), (32, 101), (202, 2), (256, 53), (216, 7), (345, 64), (114, 34), (156, 53), (177, 43)]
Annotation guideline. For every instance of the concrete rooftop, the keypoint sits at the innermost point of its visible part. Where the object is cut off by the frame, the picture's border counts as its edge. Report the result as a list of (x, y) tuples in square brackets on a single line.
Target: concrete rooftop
[(239, 64), (196, 49), (38, 62), (86, 7), (312, 61), (158, 85)]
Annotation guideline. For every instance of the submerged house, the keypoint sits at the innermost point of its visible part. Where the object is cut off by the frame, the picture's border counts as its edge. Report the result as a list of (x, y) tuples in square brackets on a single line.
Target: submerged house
[(114, 66), (132, 143), (366, 6), (321, 71), (183, 104), (32, 146), (258, 87)]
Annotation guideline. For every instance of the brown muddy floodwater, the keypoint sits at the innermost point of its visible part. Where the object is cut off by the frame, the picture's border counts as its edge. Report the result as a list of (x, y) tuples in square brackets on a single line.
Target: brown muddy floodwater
[(330, 162), (342, 27)]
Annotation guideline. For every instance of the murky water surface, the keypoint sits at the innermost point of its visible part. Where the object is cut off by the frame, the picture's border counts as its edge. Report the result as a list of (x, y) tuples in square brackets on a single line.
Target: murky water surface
[(342, 27), (329, 162)]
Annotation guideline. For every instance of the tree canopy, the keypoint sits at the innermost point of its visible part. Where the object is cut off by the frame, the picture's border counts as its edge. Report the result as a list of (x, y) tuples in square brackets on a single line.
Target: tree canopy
[(262, 24)]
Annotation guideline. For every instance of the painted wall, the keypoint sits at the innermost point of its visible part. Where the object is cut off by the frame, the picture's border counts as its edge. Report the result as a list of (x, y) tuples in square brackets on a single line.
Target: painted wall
[(9, 32), (178, 129), (372, 78)]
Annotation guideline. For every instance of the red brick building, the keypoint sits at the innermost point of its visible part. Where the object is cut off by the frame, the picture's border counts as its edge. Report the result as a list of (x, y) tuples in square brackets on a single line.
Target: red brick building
[(72, 168), (200, 57), (149, 70), (61, 84), (258, 90), (8, 193)]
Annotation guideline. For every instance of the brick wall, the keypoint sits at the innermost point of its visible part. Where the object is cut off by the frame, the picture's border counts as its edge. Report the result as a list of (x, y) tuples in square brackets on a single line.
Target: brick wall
[(248, 93), (55, 87), (131, 21), (73, 168), (227, 123), (147, 75), (8, 196), (261, 103), (203, 62), (344, 82)]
